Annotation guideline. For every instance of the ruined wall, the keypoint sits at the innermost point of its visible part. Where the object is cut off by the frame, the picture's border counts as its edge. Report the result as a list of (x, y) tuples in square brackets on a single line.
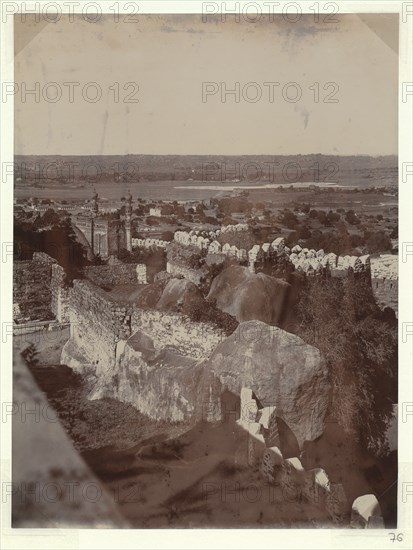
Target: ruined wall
[(59, 294), (108, 276), (144, 357), (32, 287), (196, 340), (43, 258), (96, 324)]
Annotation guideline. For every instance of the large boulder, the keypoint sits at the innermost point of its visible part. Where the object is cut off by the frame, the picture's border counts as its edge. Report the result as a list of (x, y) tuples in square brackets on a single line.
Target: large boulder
[(249, 296), (147, 296), (180, 295), (282, 371)]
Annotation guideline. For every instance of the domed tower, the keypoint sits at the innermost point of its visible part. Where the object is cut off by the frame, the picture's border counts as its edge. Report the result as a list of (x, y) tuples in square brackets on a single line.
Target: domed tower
[(128, 222)]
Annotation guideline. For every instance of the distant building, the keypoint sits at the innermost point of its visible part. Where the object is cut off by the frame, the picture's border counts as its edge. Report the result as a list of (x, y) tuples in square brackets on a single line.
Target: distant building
[(104, 236), (155, 212)]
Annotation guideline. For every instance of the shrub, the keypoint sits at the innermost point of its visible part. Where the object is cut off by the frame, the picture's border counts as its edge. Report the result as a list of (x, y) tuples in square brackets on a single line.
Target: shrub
[(209, 313)]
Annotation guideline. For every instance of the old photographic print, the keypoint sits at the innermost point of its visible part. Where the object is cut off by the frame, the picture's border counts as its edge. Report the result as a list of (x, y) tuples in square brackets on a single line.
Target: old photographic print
[(205, 268)]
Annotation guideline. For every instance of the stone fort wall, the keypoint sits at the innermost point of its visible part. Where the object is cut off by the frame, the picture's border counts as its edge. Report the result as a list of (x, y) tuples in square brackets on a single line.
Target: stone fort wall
[(383, 269)]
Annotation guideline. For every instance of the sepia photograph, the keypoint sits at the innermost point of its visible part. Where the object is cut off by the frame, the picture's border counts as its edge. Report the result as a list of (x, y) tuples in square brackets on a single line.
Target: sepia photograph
[(205, 269)]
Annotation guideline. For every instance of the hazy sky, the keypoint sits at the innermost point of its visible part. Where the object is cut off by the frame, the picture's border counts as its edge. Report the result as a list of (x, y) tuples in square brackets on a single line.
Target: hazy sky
[(169, 58)]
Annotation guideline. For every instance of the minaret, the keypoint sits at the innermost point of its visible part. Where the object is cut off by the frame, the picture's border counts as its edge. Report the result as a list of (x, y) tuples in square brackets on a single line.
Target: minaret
[(95, 205), (94, 212), (128, 222)]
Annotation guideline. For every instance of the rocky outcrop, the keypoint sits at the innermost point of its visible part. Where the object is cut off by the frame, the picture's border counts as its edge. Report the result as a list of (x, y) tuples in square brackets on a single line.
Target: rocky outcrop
[(148, 296), (288, 378), (247, 295), (283, 372), (171, 367)]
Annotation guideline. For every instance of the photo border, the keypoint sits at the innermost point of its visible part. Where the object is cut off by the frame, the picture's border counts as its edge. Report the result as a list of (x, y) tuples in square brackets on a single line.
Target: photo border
[(226, 538)]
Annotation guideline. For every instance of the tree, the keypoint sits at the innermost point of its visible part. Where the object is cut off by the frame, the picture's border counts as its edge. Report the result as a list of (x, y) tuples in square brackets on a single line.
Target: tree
[(341, 318), (333, 217), (267, 214), (323, 218), (289, 219), (304, 233), (351, 218), (50, 217), (377, 241), (58, 241)]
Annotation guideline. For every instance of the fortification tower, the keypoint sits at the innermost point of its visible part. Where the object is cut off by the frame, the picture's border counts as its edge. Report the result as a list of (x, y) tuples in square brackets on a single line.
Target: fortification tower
[(128, 222)]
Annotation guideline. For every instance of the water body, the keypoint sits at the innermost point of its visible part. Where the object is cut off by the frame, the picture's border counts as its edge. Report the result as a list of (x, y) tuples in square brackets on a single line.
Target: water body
[(157, 190), (240, 186)]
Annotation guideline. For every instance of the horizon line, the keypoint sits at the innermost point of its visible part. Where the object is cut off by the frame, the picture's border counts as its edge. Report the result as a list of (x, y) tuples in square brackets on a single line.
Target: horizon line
[(203, 154)]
